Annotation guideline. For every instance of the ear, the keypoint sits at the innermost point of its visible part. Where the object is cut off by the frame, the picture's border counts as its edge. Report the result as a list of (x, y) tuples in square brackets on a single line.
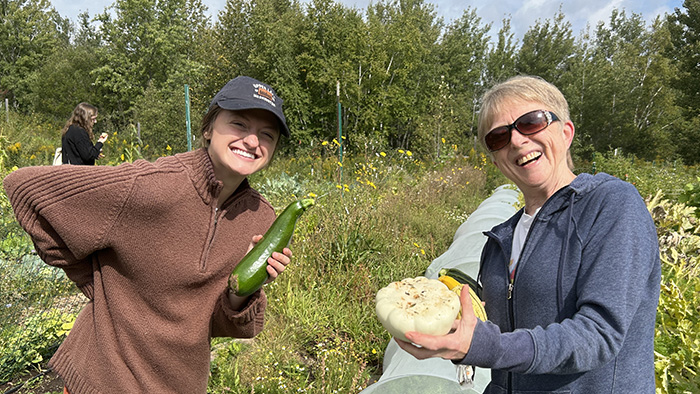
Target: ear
[(569, 131)]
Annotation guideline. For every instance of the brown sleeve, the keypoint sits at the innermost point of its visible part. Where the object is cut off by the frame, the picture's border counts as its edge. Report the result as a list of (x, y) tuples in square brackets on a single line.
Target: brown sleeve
[(246, 323), (67, 211)]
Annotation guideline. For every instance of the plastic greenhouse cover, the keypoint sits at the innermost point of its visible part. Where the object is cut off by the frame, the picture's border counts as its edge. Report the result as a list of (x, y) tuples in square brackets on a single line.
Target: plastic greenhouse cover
[(403, 373)]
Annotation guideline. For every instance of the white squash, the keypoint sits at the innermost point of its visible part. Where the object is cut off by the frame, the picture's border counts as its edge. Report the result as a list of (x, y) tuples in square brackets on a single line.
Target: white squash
[(417, 304)]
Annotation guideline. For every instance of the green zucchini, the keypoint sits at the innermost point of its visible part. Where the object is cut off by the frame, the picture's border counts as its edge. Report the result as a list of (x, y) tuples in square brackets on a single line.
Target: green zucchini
[(251, 272), (462, 278)]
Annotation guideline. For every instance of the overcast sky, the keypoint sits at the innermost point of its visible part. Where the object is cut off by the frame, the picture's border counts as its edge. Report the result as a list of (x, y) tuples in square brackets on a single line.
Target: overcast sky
[(523, 13)]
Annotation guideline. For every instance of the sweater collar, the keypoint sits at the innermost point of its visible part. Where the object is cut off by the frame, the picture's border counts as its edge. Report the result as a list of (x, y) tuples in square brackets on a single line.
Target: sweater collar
[(201, 171)]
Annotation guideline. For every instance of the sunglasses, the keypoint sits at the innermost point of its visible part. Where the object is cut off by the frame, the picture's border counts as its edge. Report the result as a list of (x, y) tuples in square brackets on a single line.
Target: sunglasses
[(528, 124)]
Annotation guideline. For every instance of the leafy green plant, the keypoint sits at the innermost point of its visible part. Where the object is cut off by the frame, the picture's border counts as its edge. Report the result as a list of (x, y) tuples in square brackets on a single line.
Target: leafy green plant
[(691, 196), (647, 177), (677, 345), (30, 343)]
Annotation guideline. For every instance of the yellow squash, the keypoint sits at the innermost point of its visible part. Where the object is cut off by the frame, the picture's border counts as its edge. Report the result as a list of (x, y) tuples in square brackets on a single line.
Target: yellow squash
[(455, 286)]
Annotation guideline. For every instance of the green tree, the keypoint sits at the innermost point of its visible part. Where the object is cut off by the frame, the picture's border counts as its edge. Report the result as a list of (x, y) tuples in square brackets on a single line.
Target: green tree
[(331, 51), (629, 102), (547, 49), (500, 63), (580, 85), (62, 82), (150, 45), (65, 78), (684, 26), (462, 53), (30, 31), (259, 38), (405, 71)]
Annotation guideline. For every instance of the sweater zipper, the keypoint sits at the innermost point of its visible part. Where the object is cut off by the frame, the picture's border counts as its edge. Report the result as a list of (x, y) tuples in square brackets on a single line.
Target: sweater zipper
[(217, 213)]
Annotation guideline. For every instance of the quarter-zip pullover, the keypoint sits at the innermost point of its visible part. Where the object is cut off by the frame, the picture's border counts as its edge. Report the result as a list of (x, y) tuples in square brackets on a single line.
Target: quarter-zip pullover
[(145, 243)]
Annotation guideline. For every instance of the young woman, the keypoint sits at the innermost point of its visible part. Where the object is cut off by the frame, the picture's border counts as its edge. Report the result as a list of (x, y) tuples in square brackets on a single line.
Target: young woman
[(152, 245), (571, 282), (77, 137)]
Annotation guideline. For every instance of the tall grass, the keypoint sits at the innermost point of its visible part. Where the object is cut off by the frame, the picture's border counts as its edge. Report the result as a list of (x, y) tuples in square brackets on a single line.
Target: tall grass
[(385, 221)]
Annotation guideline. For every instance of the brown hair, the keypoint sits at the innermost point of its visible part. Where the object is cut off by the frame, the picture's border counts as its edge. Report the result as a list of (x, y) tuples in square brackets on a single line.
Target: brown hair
[(208, 124), (82, 116)]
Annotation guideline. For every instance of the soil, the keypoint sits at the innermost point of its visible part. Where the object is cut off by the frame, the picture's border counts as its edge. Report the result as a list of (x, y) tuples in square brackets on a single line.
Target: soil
[(34, 383)]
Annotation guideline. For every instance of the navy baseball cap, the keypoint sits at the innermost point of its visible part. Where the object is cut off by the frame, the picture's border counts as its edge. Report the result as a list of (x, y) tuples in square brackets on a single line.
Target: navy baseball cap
[(248, 93)]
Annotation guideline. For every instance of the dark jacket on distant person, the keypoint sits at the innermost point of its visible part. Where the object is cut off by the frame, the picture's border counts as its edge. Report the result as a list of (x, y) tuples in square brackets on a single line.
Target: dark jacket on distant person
[(77, 147)]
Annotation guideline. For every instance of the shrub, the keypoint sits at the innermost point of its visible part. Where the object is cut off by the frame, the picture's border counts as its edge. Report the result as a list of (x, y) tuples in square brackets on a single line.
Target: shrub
[(677, 342)]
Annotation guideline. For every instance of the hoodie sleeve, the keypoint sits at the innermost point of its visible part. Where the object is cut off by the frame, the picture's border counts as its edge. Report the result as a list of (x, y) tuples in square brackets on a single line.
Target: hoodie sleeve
[(67, 211)]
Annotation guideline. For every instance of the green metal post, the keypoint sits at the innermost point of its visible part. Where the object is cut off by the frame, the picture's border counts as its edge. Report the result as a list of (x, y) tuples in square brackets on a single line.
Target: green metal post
[(340, 132), (187, 117)]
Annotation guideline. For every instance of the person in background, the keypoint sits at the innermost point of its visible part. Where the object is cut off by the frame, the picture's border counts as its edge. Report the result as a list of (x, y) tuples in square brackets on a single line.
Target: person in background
[(570, 282), (77, 137), (152, 245)]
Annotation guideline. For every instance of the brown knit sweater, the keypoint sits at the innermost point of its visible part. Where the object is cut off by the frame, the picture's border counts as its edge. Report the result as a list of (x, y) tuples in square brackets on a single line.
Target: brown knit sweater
[(146, 244)]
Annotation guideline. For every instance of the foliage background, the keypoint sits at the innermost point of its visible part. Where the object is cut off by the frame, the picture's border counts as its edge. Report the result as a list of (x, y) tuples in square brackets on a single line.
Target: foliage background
[(407, 79)]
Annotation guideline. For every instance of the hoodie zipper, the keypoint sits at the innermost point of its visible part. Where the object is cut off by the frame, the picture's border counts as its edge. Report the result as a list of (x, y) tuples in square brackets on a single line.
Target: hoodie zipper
[(511, 289)]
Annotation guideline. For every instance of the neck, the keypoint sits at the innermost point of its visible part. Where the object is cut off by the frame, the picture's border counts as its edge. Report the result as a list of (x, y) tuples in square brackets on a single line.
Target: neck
[(536, 197), (227, 191)]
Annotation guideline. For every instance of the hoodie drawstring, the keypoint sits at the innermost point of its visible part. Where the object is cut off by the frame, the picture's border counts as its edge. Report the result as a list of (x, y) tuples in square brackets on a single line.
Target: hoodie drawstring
[(563, 256)]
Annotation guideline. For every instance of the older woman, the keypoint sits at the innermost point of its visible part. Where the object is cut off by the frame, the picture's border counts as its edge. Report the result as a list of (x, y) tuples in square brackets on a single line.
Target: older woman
[(571, 282)]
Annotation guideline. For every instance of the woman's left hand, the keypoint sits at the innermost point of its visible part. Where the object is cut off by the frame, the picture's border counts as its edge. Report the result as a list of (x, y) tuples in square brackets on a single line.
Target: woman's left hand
[(277, 262)]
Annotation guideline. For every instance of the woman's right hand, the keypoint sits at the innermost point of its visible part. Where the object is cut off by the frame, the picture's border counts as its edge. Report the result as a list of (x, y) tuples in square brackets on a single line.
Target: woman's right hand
[(452, 346), (103, 138)]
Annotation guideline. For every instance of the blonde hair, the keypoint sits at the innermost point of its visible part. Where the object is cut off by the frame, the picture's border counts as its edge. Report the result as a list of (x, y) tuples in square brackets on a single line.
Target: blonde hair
[(82, 116), (521, 88)]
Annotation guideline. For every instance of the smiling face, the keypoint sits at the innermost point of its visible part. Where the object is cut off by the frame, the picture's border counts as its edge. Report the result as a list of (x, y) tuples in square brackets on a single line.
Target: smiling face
[(241, 143), (536, 163)]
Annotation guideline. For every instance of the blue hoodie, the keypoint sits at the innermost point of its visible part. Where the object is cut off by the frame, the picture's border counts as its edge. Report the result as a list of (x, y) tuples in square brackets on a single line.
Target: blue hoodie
[(579, 316)]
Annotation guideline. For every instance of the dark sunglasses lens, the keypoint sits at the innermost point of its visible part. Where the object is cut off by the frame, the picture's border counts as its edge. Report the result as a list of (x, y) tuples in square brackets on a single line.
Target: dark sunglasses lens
[(532, 122), (497, 138)]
